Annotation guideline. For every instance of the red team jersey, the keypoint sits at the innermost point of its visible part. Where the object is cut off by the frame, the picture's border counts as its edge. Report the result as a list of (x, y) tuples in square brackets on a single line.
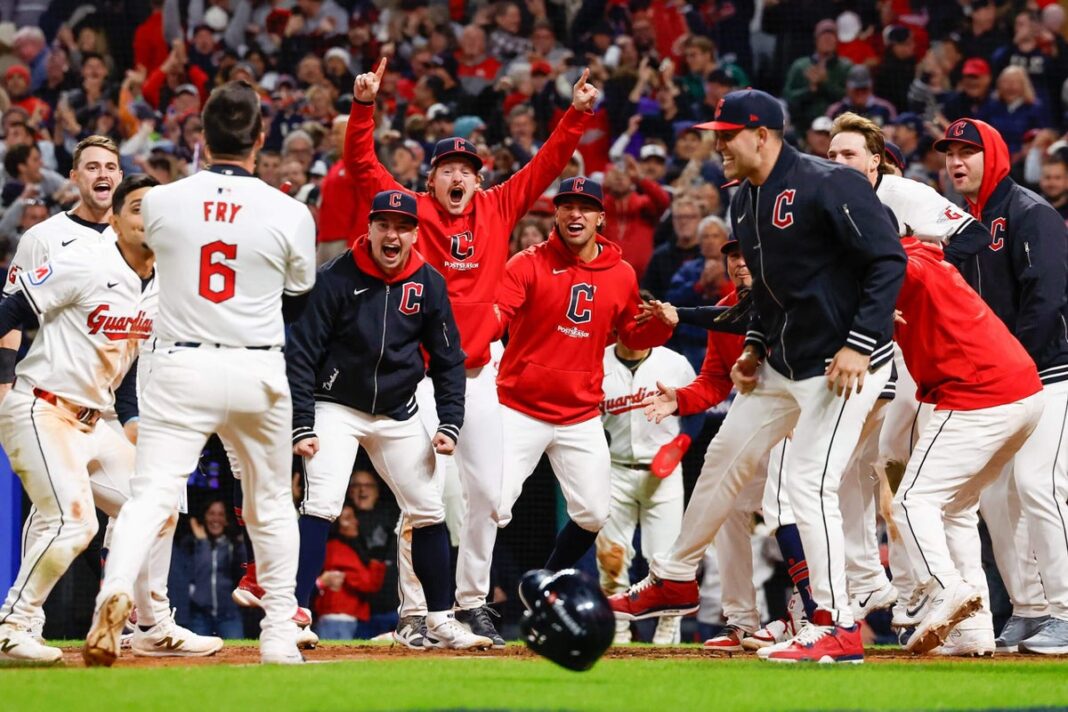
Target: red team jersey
[(470, 250), (714, 383), (961, 355), (561, 313), (337, 219)]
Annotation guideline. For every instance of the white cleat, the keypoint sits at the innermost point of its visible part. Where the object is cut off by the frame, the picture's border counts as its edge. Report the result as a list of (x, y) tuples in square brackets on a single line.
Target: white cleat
[(280, 652), (622, 636), (668, 631), (779, 630), (968, 642), (867, 602), (102, 645), (18, 645), (167, 639), (948, 607), (37, 625), (449, 633), (306, 639)]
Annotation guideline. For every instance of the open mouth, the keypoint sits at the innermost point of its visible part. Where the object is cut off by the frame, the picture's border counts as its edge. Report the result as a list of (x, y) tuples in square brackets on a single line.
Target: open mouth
[(102, 189), (391, 251), (959, 175), (574, 229), (456, 195)]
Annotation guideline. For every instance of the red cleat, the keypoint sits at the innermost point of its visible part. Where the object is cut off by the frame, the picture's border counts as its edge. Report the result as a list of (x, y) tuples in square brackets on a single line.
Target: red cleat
[(822, 642), (653, 597), (249, 594), (729, 640)]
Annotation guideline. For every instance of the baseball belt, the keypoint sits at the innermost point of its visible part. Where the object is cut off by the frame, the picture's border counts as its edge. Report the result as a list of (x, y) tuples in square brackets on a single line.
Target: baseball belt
[(89, 416)]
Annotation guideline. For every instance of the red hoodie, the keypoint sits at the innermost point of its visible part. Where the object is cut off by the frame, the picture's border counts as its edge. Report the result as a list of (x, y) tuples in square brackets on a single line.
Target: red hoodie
[(996, 165), (713, 383), (361, 580), (561, 314), (959, 352), (632, 220), (469, 250)]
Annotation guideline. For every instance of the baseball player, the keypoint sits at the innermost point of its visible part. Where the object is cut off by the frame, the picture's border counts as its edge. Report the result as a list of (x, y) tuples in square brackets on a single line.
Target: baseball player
[(639, 496), (1023, 276), (826, 267), (228, 247), (560, 302), (95, 303), (465, 234), (354, 364)]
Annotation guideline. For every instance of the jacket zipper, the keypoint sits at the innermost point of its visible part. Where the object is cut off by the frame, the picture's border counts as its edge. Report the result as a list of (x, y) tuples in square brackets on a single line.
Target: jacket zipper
[(1027, 252), (785, 316), (382, 352), (214, 593), (445, 333), (978, 277)]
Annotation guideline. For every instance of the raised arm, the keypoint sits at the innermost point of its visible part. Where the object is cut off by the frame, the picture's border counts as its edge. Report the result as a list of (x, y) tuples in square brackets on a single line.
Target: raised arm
[(361, 161)]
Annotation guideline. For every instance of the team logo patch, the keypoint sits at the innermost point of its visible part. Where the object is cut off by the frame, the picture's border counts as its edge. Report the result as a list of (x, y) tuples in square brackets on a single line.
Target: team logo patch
[(782, 217), (12, 274), (462, 246), (118, 328), (580, 306), (41, 274), (410, 303), (997, 234)]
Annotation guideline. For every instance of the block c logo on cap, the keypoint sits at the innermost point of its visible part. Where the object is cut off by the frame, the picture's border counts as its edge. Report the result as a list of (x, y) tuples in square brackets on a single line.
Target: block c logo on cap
[(957, 129), (578, 185), (394, 200)]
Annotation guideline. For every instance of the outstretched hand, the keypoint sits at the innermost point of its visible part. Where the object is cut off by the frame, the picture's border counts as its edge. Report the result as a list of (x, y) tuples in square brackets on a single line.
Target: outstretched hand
[(663, 311), (663, 404), (365, 88), (584, 95)]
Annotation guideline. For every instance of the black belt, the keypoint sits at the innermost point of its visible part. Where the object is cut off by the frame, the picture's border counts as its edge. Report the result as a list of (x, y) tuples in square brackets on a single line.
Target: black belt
[(632, 466), (197, 345)]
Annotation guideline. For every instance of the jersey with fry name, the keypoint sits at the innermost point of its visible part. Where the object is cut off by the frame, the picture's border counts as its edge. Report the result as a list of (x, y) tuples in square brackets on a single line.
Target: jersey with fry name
[(45, 239), (228, 247), (95, 312)]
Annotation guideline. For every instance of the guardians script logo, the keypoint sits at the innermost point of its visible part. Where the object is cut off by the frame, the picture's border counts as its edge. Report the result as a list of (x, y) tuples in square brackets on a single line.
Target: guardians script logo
[(118, 328), (622, 404)]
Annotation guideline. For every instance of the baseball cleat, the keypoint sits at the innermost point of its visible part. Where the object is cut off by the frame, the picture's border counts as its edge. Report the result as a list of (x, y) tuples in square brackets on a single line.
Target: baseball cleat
[(1016, 630), (480, 622), (306, 639), (167, 639), (909, 615), (948, 607), (275, 651), (822, 642), (623, 635), (37, 624), (779, 630), (18, 645), (729, 640), (668, 631), (653, 597), (249, 593), (975, 642), (102, 645), (866, 602), (764, 652), (411, 632), (1051, 639), (449, 633)]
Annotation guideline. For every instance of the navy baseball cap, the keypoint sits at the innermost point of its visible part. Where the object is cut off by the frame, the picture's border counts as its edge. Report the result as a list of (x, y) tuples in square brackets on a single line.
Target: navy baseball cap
[(895, 155), (962, 131), (580, 186), (455, 147), (910, 119), (746, 109), (730, 246), (395, 201)]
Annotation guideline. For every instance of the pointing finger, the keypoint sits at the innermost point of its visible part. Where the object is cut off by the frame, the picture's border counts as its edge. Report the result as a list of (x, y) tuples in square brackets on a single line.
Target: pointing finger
[(381, 68), (582, 80)]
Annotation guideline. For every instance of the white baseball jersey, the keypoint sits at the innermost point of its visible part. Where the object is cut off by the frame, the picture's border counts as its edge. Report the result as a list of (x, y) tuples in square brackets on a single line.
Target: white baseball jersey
[(47, 238), (228, 246), (95, 311), (921, 211), (632, 438)]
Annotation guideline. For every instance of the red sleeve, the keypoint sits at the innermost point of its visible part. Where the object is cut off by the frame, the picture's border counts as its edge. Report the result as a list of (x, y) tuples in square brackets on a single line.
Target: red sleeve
[(199, 79), (637, 336), (713, 383), (517, 194), (365, 579), (153, 85), (336, 218), (513, 290), (658, 199), (366, 172)]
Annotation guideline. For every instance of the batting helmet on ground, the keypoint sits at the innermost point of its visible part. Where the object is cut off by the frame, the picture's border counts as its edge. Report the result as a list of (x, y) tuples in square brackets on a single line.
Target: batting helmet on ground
[(568, 619)]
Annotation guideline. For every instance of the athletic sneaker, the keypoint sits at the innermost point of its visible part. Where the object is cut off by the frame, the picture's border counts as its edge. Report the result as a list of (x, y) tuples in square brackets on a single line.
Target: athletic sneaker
[(37, 624), (411, 632), (910, 614), (18, 645), (653, 597), (167, 639), (822, 642), (1051, 639), (977, 642), (249, 594), (279, 651), (948, 607), (764, 652), (729, 640), (668, 631), (306, 638), (448, 633), (480, 622), (779, 630), (102, 643), (623, 635), (1017, 629), (866, 602)]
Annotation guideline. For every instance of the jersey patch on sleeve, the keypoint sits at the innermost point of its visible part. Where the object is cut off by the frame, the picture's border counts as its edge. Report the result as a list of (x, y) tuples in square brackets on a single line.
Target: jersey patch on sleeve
[(41, 274)]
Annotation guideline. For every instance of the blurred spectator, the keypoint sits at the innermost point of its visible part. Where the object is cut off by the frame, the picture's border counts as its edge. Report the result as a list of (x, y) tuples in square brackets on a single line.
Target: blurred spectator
[(528, 232), (860, 99), (814, 83), (26, 176), (700, 55), (299, 146), (405, 164), (908, 129), (652, 162), (217, 555), (983, 35), (176, 72), (1043, 55), (149, 43), (58, 78), (476, 69), (17, 86), (717, 85), (1015, 109), (853, 41), (633, 206), (23, 214), (973, 99), (818, 136), (32, 49), (1054, 183), (378, 527), (898, 68), (700, 282), (545, 46), (349, 578), (670, 256), (269, 168), (505, 41), (520, 138)]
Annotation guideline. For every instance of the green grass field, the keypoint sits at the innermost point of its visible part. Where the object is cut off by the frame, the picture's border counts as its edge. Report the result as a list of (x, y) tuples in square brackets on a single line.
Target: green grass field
[(517, 682)]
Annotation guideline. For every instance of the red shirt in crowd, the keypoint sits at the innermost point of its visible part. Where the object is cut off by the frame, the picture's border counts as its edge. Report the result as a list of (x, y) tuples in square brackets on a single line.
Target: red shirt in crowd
[(960, 353), (561, 313), (149, 45), (713, 383), (337, 218), (361, 580), (470, 250), (631, 221)]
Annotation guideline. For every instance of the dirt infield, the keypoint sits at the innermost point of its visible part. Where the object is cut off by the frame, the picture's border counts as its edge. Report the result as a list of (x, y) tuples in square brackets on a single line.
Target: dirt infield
[(249, 655)]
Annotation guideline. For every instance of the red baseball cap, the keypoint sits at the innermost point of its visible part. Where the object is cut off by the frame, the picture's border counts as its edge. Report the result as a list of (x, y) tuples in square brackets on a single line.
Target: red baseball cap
[(975, 67)]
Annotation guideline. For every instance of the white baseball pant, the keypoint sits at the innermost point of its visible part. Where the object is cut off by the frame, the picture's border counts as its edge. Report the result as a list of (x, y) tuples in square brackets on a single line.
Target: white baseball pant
[(959, 454), (1039, 474), (243, 395), (1011, 543), (579, 457), (68, 469), (825, 429), (858, 497)]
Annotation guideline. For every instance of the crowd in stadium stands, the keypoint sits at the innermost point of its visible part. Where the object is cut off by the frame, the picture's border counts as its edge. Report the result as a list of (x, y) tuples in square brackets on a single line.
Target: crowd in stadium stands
[(500, 74)]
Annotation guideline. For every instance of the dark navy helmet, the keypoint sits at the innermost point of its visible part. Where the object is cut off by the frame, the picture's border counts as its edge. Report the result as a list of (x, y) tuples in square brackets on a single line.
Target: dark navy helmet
[(568, 619)]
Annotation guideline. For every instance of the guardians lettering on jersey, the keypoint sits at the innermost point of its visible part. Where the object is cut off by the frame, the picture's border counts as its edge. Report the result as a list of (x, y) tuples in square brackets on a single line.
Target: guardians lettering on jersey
[(119, 328), (625, 404)]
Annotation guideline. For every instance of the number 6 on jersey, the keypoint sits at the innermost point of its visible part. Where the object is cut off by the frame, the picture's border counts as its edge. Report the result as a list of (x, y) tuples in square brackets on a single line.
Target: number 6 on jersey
[(216, 278)]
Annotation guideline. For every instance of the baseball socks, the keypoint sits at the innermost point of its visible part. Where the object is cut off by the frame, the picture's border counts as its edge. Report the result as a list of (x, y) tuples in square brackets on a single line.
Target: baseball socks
[(314, 532), (430, 563), (794, 555), (572, 543)]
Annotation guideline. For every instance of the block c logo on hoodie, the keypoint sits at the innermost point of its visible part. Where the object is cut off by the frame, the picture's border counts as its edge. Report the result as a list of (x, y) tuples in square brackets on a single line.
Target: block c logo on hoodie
[(463, 245), (580, 307)]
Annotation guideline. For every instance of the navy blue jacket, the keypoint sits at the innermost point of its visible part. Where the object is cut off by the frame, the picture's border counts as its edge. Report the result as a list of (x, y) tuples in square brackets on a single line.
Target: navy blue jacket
[(826, 262), (358, 343)]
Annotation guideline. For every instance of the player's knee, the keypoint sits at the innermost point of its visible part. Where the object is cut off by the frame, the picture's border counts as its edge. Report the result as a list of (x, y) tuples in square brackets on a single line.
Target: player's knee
[(82, 529), (592, 518), (426, 517)]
